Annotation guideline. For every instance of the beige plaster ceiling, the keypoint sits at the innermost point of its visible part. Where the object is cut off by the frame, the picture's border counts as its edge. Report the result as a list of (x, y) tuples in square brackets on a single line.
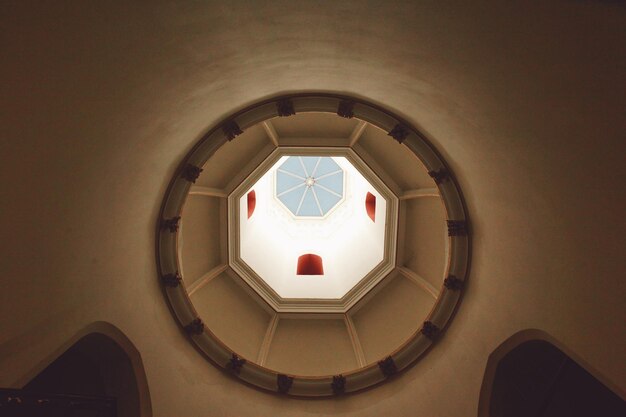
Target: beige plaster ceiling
[(101, 100), (314, 344)]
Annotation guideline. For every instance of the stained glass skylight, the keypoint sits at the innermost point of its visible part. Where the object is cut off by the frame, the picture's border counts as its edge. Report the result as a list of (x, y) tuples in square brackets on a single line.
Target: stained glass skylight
[(309, 186)]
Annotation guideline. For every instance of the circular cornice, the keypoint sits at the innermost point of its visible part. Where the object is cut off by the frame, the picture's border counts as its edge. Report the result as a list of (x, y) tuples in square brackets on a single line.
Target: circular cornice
[(294, 385)]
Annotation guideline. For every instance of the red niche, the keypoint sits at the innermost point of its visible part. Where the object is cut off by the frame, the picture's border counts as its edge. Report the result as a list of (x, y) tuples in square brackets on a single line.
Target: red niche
[(310, 264), (251, 203), (370, 206)]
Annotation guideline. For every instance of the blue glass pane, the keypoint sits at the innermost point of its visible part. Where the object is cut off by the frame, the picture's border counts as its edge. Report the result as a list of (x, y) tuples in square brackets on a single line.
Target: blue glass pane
[(293, 165), (326, 199), (285, 182), (309, 163), (292, 199), (333, 183), (326, 166), (309, 205)]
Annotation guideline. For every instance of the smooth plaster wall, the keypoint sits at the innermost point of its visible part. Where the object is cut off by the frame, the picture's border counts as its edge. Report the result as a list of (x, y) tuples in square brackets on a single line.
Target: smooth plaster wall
[(426, 237), (297, 347), (391, 317), (101, 100), (232, 315), (200, 231)]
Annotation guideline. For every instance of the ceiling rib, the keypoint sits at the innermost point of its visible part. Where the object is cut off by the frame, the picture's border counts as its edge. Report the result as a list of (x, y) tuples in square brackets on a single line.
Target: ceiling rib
[(207, 191), (382, 173), (271, 132), (206, 278), (317, 140), (356, 343), (267, 340), (419, 192), (419, 281), (254, 162), (357, 132), (179, 248)]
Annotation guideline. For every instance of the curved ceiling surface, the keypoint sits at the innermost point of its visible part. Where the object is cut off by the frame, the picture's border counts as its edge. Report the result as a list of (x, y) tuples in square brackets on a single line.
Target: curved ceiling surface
[(324, 221), (288, 286)]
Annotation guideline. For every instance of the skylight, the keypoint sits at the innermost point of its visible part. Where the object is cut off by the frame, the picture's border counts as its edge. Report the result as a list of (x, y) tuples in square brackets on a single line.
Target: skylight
[(312, 226), (309, 186)]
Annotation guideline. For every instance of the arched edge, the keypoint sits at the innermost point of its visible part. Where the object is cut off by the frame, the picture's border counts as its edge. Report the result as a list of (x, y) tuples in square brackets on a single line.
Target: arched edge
[(517, 339), (116, 335)]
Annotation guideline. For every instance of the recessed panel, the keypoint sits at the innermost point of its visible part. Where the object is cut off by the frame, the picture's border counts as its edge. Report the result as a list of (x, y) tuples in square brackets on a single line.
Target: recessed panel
[(402, 166), (232, 315), (229, 159), (426, 238), (314, 125), (311, 347), (200, 238), (391, 317)]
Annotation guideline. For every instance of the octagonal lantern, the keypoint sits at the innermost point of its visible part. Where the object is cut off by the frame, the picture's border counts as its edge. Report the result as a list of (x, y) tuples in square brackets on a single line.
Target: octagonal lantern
[(312, 230)]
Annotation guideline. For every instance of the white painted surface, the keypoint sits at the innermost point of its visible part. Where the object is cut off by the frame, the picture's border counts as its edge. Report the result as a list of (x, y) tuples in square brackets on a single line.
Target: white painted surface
[(350, 244)]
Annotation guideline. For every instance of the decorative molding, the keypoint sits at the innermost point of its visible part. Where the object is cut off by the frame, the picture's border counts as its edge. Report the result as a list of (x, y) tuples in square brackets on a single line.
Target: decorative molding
[(356, 343), (419, 281), (170, 224), (286, 305), (235, 364), (453, 283), (357, 132), (206, 278), (387, 366), (440, 175), (231, 129), (214, 348), (429, 330), (195, 327), (267, 340), (271, 132), (171, 280), (346, 109), (457, 227), (191, 173), (207, 191), (339, 384), (399, 133), (419, 193), (284, 383), (285, 108)]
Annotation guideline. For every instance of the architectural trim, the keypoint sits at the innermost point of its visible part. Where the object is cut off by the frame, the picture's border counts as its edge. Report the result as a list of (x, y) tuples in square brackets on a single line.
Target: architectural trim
[(207, 191), (267, 340), (271, 132), (357, 133), (205, 279), (356, 342), (419, 281), (419, 193), (295, 305), (308, 386)]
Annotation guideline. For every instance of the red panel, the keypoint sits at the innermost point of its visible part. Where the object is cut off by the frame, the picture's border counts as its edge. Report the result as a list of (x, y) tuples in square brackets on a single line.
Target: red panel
[(251, 203), (370, 206), (310, 264)]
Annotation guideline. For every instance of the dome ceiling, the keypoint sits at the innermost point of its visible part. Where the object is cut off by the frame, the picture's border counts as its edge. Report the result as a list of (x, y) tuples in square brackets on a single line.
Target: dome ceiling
[(307, 249), (304, 254)]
